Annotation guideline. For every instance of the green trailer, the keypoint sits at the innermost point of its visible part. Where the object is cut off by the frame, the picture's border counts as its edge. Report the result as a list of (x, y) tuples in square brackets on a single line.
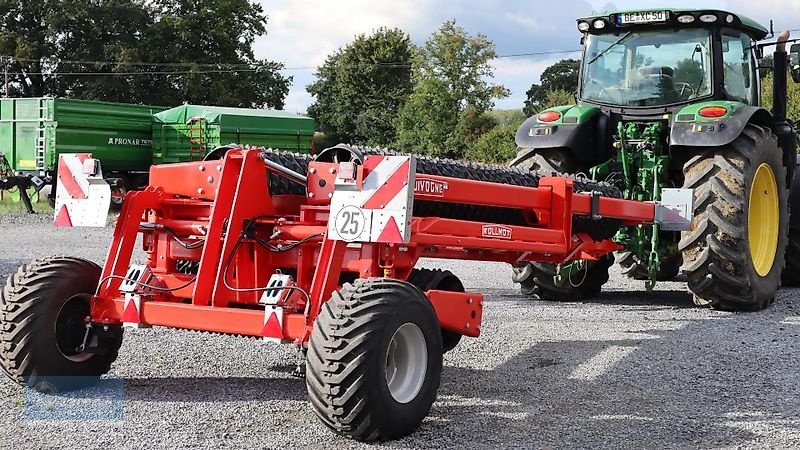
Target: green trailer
[(127, 139), (192, 132), (33, 131)]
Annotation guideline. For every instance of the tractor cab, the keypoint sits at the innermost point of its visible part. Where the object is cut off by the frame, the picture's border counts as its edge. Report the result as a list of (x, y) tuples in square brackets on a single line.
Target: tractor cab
[(667, 58)]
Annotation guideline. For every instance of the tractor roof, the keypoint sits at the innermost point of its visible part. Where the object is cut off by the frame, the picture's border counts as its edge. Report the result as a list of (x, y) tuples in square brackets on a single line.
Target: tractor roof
[(614, 20)]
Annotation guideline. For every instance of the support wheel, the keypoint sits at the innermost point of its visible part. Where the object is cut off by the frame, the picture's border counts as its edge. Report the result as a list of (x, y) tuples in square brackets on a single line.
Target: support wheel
[(374, 360), (734, 254), (43, 307), (442, 280), (537, 280)]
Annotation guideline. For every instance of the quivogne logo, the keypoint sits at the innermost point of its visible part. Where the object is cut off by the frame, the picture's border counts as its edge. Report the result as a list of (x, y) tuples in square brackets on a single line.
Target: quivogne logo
[(429, 187)]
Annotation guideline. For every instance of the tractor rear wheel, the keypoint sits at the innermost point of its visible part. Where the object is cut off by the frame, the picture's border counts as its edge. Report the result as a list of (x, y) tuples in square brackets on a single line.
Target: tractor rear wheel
[(734, 254), (43, 307), (791, 273), (442, 280), (374, 360)]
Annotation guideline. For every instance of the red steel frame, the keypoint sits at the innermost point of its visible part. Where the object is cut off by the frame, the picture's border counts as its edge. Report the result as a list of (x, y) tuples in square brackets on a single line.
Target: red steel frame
[(214, 200)]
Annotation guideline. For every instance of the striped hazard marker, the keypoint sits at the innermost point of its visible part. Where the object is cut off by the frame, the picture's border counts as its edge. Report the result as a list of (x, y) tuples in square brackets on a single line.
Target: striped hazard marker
[(82, 194), (380, 210)]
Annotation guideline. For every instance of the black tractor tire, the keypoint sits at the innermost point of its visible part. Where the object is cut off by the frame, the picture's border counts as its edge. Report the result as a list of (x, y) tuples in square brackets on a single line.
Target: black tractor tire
[(537, 280), (717, 253), (442, 280), (352, 346), (632, 267), (791, 273), (548, 162), (42, 311)]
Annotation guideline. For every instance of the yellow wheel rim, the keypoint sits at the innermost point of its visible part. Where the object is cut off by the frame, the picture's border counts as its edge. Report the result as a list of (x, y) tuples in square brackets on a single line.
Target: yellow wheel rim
[(763, 219)]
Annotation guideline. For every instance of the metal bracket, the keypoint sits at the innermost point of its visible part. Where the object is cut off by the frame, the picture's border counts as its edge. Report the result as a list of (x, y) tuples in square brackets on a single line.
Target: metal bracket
[(674, 211)]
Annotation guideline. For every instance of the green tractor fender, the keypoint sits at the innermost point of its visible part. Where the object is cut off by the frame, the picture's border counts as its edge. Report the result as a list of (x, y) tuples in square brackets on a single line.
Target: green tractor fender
[(691, 129), (579, 129)]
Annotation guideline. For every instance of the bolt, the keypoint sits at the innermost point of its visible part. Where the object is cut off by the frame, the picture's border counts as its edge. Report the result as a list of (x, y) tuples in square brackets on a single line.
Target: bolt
[(332, 170), (310, 195), (466, 325), (201, 168), (469, 301), (210, 180), (330, 195), (312, 170), (219, 168), (201, 191)]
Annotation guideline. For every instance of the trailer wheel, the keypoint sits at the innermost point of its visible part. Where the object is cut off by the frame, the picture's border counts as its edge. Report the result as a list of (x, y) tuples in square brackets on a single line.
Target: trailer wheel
[(42, 311), (374, 360), (734, 254), (443, 280), (537, 280)]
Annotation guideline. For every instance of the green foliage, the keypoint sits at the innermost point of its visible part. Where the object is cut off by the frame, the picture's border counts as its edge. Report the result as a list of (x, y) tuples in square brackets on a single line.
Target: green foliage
[(361, 87), (446, 108), (505, 117), (562, 76), (793, 104), (557, 98), (495, 147), (46, 37)]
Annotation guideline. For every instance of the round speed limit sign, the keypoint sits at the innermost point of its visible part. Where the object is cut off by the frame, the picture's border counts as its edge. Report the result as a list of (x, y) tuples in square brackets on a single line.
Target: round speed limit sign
[(350, 222)]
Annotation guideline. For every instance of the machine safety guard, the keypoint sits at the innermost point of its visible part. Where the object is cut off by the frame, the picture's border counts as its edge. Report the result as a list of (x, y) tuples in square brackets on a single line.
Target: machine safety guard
[(268, 262)]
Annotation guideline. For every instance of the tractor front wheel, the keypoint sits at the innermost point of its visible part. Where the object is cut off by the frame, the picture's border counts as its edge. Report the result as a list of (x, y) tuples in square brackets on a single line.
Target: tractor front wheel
[(374, 360), (734, 254), (538, 280), (43, 308)]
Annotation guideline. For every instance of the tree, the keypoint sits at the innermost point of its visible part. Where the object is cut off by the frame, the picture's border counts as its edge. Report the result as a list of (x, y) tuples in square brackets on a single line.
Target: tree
[(562, 75), (451, 94), (214, 39), (93, 49), (495, 147), (360, 88)]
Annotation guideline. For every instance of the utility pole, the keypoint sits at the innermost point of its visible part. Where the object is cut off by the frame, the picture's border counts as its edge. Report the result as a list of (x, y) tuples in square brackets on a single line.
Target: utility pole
[(7, 61)]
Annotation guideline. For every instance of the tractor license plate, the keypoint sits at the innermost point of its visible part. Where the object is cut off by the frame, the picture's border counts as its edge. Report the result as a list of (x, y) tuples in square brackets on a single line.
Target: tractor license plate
[(643, 17)]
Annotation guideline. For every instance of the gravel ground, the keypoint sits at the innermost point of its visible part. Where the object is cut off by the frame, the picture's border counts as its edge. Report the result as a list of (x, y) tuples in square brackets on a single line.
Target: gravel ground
[(628, 369)]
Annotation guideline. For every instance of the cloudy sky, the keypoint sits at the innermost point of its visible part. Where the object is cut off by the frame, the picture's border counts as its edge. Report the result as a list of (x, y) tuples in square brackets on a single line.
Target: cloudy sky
[(301, 33)]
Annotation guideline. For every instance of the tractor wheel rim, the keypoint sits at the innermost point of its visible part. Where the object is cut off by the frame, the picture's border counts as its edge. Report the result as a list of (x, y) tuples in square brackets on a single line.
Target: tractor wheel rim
[(70, 329), (763, 220), (406, 363)]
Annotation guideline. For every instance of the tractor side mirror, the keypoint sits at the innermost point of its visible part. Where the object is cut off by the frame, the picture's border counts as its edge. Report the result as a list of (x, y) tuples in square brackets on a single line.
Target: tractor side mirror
[(794, 62)]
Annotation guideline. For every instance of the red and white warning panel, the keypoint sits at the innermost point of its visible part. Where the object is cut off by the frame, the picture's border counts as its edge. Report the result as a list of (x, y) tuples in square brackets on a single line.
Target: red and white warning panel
[(82, 195), (378, 209)]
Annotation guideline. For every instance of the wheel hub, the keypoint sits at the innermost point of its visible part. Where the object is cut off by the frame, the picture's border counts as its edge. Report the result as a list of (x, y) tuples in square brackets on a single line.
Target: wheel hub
[(70, 328), (763, 220), (406, 363)]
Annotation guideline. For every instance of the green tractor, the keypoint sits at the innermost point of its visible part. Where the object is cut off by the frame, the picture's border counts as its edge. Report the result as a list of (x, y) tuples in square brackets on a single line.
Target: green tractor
[(668, 99)]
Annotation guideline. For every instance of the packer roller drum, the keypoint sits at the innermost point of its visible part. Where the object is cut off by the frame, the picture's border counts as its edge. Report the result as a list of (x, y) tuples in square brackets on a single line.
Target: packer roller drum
[(598, 229)]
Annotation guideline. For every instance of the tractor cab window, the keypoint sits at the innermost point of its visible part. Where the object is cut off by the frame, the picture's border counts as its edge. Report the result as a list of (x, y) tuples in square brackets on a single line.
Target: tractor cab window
[(647, 68), (738, 67)]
